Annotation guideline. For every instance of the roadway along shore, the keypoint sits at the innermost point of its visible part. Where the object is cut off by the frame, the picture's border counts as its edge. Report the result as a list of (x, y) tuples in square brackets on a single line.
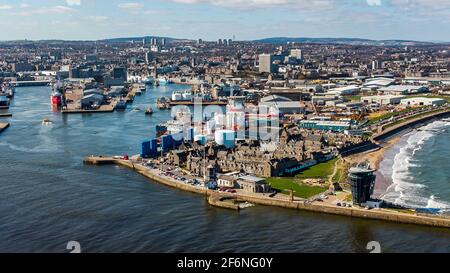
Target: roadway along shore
[(279, 200)]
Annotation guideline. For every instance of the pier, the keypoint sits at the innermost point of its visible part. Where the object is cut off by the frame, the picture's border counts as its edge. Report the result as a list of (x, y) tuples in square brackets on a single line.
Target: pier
[(74, 106), (279, 200), (3, 126), (5, 115), (132, 94)]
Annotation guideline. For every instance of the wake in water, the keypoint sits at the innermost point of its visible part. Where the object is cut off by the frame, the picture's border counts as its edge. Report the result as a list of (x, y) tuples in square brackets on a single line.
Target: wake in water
[(408, 188)]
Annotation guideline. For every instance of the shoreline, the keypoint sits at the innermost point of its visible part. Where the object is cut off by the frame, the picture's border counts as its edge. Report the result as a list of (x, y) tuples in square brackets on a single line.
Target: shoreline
[(279, 200), (376, 157)]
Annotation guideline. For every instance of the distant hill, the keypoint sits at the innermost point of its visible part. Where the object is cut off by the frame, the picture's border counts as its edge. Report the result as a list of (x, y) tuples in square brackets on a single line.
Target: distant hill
[(137, 39), (344, 41)]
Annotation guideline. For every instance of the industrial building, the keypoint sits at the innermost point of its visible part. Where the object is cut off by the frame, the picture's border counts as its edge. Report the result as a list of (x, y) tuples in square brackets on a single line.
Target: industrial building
[(418, 102), (382, 99), (403, 89), (344, 90), (326, 125)]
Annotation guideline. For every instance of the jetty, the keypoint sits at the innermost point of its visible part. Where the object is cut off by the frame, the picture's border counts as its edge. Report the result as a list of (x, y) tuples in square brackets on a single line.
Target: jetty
[(3, 126), (132, 94), (277, 200)]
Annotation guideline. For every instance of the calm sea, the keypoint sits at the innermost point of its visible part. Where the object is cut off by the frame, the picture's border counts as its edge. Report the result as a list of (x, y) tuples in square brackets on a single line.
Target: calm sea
[(48, 197)]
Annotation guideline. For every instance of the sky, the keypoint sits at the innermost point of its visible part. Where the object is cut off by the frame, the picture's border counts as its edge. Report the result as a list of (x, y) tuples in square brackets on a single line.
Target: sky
[(422, 20)]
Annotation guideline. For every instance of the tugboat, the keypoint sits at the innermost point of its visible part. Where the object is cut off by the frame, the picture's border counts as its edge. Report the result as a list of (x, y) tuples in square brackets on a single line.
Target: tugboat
[(149, 111), (121, 104)]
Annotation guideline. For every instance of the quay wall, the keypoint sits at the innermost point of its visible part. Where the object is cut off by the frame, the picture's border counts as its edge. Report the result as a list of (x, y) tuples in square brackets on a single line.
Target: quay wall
[(433, 221)]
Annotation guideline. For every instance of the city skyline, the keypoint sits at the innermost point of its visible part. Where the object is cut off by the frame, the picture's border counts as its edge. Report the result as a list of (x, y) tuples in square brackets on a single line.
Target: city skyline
[(418, 20)]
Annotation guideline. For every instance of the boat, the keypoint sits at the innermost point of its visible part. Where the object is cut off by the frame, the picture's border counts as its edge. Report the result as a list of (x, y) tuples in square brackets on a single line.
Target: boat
[(149, 80), (10, 91), (46, 122), (4, 101), (121, 104), (142, 87), (163, 103), (149, 111), (56, 98), (164, 81)]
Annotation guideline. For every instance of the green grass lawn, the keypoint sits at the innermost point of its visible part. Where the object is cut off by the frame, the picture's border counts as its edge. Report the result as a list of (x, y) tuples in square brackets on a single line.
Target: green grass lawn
[(354, 98), (285, 184), (322, 170)]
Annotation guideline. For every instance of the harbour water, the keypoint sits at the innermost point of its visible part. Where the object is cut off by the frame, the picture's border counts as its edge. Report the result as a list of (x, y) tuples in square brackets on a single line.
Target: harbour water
[(48, 197), (417, 168)]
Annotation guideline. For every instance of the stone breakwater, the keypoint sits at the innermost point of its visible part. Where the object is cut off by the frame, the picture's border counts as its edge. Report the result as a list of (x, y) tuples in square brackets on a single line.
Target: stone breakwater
[(282, 201)]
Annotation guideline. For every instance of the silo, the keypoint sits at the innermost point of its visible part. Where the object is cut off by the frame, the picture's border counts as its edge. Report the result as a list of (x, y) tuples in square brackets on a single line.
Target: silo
[(226, 138)]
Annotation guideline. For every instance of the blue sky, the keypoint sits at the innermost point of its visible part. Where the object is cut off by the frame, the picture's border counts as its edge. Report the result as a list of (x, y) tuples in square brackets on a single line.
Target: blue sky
[(427, 20)]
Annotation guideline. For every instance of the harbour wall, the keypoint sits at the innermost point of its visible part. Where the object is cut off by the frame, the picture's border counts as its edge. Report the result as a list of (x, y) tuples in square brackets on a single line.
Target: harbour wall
[(397, 217)]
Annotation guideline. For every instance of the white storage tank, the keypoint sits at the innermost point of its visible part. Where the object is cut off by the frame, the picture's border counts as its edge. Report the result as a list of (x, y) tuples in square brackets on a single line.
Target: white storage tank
[(226, 138)]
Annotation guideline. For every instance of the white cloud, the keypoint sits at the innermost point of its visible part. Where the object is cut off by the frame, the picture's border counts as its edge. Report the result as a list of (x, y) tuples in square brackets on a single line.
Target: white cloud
[(435, 4), (374, 2), (46, 10), (301, 4), (73, 2), (131, 6), (98, 18), (5, 7)]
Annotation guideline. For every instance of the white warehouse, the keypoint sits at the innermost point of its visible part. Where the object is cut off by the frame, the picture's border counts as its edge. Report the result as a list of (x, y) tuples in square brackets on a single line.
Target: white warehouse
[(382, 100), (421, 101)]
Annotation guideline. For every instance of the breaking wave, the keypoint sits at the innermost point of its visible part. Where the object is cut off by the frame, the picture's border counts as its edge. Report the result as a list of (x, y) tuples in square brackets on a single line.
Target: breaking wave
[(406, 189)]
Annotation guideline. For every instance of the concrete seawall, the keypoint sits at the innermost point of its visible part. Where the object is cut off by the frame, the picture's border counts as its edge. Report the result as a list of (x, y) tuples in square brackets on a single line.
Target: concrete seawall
[(397, 217), (411, 123)]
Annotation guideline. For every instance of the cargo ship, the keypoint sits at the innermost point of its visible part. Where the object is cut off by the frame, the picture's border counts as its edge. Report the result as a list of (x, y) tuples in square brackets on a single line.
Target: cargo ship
[(56, 98)]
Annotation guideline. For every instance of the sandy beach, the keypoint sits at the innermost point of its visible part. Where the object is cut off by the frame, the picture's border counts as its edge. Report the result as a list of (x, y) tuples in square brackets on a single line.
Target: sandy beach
[(375, 158)]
